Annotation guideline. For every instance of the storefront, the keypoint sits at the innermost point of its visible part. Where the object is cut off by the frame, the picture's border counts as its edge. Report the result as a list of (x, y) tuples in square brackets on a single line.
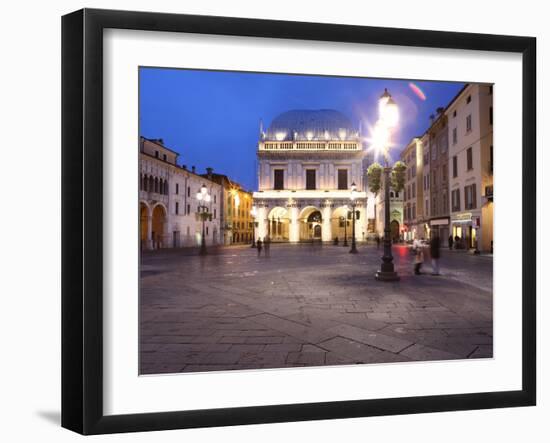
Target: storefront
[(465, 227), (440, 227)]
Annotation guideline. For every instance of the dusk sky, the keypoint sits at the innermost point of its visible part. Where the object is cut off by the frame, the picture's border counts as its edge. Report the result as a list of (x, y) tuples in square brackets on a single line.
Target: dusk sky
[(212, 118)]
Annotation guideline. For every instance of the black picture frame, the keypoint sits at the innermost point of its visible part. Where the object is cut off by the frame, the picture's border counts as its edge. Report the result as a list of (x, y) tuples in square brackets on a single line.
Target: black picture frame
[(82, 215)]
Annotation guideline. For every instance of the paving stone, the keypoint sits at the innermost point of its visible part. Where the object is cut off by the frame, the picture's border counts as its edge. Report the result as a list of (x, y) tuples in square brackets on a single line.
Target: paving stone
[(372, 338), (306, 358), (360, 352), (264, 340), (425, 353), (305, 300)]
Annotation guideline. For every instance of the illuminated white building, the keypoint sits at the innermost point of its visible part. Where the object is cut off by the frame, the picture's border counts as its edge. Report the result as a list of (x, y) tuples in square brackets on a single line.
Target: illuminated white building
[(168, 200), (307, 163)]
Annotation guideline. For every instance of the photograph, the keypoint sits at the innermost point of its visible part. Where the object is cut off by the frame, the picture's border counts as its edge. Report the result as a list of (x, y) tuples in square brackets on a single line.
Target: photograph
[(293, 220)]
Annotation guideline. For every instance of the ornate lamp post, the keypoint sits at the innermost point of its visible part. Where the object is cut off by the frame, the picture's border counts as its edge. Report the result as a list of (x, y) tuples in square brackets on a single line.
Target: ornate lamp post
[(254, 213), (353, 204), (345, 219), (204, 213), (388, 117)]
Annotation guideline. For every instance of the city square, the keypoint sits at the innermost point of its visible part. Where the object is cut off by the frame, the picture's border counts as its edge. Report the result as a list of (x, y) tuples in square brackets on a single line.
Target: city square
[(309, 304), (360, 233)]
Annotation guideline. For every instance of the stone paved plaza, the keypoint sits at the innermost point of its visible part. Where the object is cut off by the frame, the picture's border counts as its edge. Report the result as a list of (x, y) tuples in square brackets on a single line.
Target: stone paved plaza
[(308, 305)]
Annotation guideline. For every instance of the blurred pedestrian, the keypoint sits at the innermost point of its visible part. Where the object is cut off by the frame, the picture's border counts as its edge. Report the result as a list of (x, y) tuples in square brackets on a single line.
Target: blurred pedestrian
[(435, 254), (418, 249), (457, 241), (267, 245), (259, 246), (450, 242), (377, 241)]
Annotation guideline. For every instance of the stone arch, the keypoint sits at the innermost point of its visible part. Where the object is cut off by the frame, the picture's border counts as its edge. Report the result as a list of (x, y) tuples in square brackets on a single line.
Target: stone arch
[(144, 225), (394, 230), (159, 226), (341, 225), (310, 217), (278, 222)]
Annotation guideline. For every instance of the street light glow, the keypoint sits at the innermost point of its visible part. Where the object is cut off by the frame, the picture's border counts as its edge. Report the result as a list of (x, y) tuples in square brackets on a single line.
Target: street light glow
[(390, 113)]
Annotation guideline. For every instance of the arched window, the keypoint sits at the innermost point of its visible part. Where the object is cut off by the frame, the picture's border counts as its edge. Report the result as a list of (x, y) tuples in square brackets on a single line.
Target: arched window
[(156, 185), (151, 184), (165, 187)]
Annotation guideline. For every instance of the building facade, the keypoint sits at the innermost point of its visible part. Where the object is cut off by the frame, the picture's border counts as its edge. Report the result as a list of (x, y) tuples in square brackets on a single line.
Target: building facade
[(167, 200), (236, 205), (438, 134), (396, 214), (470, 117), (413, 198), (307, 163)]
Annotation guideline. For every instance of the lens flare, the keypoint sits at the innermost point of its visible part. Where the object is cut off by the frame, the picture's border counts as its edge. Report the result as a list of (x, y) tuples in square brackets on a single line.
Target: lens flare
[(417, 91)]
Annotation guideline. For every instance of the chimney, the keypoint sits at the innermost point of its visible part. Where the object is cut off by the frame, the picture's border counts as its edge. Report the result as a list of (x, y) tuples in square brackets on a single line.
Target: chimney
[(193, 169), (209, 173), (184, 167), (440, 110), (432, 118)]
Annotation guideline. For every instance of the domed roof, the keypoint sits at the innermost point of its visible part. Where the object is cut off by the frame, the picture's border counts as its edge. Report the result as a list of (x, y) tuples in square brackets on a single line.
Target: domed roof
[(304, 124)]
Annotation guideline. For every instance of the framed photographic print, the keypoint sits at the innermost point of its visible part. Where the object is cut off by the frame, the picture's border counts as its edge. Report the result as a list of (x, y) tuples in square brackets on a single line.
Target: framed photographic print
[(269, 221)]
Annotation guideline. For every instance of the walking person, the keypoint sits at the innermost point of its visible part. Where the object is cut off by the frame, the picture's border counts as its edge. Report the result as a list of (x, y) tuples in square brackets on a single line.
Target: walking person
[(259, 246), (435, 254), (267, 245), (450, 242), (418, 256), (377, 241)]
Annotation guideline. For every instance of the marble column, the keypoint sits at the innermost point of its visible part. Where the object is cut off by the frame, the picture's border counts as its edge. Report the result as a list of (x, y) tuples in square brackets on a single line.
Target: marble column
[(326, 228), (261, 230), (294, 234)]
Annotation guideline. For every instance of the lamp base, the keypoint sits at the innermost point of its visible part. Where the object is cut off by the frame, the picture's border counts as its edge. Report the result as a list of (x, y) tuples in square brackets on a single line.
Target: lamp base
[(387, 276)]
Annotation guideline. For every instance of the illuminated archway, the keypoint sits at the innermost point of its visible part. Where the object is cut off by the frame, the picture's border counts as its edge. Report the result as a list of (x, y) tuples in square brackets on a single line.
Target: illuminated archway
[(278, 222), (310, 217), (394, 229), (144, 220), (341, 225), (158, 234)]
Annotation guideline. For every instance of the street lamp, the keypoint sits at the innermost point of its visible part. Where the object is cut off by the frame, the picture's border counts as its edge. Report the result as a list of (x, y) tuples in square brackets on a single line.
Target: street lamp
[(345, 219), (254, 213), (203, 212), (352, 198), (388, 118)]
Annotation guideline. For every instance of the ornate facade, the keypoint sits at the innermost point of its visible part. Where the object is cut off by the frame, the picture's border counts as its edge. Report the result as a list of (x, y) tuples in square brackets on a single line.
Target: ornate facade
[(307, 163), (167, 200)]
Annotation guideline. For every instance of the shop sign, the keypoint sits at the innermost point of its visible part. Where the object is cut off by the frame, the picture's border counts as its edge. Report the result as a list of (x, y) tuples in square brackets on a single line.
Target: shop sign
[(463, 216)]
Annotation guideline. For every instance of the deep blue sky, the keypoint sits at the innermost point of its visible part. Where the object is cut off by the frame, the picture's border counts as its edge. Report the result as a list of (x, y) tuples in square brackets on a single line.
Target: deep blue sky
[(212, 118)]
